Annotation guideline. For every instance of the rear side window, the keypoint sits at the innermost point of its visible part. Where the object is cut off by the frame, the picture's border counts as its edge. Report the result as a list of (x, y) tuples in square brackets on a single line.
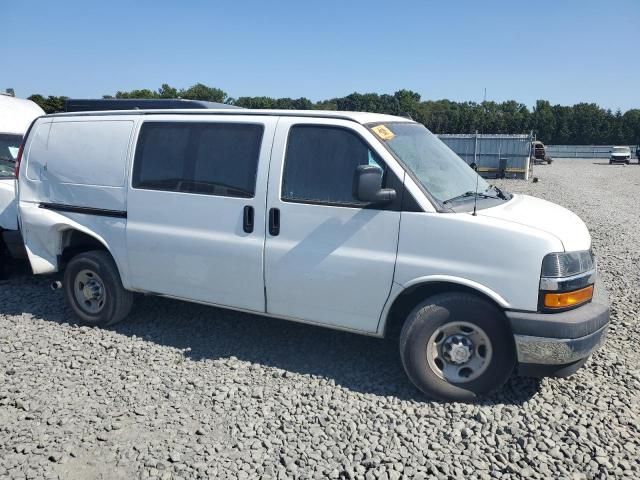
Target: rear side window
[(320, 165), (205, 158)]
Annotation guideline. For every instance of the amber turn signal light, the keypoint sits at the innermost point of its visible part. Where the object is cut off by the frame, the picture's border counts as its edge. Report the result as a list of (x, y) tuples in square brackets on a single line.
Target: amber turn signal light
[(568, 299)]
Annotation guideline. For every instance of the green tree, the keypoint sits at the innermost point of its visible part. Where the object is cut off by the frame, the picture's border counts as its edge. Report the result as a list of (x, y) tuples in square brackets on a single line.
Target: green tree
[(144, 93), (50, 104), (255, 102), (543, 121), (408, 101), (200, 91), (631, 126), (166, 91), (331, 104)]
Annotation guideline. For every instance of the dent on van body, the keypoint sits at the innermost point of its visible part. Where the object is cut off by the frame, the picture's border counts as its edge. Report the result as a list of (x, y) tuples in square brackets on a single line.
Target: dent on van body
[(45, 229)]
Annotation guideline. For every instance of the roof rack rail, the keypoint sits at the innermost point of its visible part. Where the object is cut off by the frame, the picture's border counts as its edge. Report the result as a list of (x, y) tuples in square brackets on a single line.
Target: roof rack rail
[(95, 105)]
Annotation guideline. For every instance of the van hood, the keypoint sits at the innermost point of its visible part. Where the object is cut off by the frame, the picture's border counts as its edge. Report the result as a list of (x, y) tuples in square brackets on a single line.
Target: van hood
[(545, 216)]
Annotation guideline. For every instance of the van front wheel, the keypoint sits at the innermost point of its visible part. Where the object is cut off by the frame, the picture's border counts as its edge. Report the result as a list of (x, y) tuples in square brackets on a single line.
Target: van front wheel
[(456, 346), (94, 291)]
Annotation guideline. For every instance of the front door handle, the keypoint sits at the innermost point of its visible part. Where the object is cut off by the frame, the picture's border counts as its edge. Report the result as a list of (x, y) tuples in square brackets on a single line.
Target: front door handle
[(274, 221), (248, 219)]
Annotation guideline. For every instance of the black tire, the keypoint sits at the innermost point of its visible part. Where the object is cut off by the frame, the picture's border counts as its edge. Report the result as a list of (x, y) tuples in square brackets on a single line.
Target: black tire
[(116, 301), (445, 309)]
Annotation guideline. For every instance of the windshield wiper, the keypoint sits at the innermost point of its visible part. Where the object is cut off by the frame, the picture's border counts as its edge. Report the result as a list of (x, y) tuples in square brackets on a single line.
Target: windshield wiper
[(499, 193), (467, 195)]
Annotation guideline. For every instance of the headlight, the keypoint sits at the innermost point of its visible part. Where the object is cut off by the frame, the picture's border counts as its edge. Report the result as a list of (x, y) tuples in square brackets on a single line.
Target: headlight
[(567, 264), (567, 279)]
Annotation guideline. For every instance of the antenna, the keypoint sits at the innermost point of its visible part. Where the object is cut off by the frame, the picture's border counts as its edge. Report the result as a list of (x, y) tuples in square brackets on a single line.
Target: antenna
[(475, 197)]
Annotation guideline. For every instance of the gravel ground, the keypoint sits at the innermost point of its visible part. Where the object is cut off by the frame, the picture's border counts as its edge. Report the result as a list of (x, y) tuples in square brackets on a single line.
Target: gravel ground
[(185, 391)]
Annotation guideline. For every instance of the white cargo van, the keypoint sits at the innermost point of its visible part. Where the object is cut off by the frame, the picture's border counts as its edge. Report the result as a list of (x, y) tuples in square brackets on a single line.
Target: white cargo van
[(16, 114), (356, 221)]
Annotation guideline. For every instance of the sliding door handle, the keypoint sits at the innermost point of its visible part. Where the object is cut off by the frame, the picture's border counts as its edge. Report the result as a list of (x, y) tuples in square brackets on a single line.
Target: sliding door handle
[(248, 219), (274, 221)]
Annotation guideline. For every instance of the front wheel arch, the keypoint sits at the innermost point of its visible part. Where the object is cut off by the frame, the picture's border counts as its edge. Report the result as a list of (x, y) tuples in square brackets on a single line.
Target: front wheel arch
[(412, 296)]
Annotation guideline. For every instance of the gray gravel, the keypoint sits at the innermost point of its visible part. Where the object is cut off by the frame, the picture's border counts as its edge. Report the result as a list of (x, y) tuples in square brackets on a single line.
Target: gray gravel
[(185, 391)]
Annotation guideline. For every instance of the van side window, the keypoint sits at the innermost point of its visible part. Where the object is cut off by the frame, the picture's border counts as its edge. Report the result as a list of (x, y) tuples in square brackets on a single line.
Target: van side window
[(204, 158), (320, 164)]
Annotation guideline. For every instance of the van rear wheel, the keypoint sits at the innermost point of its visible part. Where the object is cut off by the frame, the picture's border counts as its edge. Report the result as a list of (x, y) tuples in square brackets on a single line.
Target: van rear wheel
[(456, 346), (94, 291)]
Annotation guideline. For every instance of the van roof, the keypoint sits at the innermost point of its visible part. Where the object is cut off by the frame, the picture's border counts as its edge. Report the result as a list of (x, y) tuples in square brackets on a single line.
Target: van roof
[(359, 117)]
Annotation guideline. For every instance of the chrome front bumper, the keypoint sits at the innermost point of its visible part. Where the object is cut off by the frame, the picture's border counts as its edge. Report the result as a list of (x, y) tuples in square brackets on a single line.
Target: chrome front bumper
[(558, 351), (561, 338)]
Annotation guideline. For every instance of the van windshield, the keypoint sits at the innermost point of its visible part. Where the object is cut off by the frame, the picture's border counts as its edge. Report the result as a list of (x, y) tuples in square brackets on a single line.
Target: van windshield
[(9, 146), (440, 171)]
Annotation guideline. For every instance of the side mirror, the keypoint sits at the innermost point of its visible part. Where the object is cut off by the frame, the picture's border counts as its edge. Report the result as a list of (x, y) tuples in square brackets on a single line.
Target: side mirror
[(368, 185), (474, 166)]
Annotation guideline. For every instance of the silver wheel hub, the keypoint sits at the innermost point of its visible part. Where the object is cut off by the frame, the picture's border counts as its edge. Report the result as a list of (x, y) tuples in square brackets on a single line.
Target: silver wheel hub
[(92, 290), (459, 352), (89, 291), (458, 349)]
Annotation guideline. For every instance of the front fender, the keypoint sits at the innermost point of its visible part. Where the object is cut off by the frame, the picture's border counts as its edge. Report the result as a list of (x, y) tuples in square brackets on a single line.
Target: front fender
[(397, 290), (459, 281)]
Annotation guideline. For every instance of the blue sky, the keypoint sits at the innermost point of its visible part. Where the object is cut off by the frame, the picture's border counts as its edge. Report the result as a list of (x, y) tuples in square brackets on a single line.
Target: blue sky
[(566, 51)]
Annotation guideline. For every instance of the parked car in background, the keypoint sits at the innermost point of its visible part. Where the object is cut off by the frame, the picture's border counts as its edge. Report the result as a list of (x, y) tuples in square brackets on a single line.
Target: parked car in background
[(620, 155), (16, 115), (350, 220), (638, 153), (539, 153)]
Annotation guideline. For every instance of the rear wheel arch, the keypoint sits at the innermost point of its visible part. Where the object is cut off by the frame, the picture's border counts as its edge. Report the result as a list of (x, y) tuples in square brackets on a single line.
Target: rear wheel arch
[(74, 242)]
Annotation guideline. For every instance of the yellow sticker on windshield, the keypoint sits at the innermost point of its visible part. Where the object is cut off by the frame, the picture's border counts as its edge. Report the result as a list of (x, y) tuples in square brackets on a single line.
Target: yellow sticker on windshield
[(383, 132)]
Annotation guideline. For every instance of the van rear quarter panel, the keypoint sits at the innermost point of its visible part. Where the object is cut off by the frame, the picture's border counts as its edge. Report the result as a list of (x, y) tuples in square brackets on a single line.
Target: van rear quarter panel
[(78, 162)]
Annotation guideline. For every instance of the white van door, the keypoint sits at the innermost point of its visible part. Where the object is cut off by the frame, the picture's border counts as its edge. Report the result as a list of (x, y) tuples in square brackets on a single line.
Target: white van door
[(196, 203), (329, 259)]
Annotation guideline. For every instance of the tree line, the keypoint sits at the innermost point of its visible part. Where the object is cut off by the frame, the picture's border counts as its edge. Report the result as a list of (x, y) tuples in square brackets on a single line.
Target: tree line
[(580, 124)]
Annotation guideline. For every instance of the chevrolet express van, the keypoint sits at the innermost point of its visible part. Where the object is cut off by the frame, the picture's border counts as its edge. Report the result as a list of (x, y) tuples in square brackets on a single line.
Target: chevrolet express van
[(356, 221)]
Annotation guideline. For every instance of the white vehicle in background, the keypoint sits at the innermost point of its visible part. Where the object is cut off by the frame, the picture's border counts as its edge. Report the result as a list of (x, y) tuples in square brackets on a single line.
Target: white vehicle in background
[(16, 115), (350, 220), (620, 155)]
